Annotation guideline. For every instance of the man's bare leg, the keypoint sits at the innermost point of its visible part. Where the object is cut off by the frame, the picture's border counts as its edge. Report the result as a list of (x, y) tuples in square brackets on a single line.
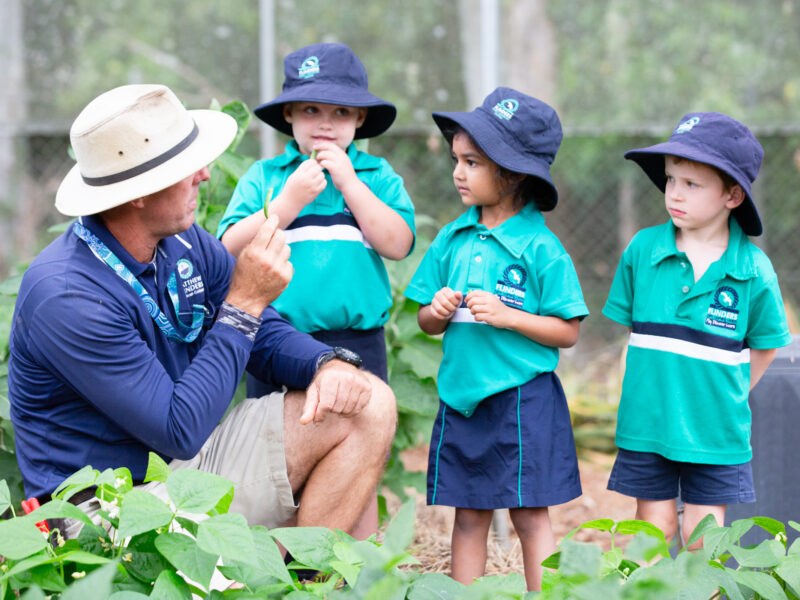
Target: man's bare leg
[(337, 463)]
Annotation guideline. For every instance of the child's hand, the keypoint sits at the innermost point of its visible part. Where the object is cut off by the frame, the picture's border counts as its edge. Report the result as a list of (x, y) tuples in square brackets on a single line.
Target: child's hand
[(488, 308), (338, 164), (305, 184), (444, 303)]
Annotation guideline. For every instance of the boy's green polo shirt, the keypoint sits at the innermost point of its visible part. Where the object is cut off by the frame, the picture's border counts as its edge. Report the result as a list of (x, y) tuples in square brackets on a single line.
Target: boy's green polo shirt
[(687, 375), (339, 280), (522, 263)]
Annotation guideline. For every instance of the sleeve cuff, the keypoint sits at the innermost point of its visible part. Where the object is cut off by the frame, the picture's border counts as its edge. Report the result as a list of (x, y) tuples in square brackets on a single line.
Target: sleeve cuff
[(238, 319)]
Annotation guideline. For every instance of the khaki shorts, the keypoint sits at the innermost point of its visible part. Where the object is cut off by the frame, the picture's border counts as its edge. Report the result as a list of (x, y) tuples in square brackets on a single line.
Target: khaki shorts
[(247, 448)]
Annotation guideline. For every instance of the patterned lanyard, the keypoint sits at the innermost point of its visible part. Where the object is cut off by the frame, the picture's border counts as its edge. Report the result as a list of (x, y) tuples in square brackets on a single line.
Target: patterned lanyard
[(184, 334)]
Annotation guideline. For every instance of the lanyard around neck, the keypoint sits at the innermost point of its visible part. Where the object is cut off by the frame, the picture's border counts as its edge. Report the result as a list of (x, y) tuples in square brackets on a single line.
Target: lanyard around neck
[(183, 334)]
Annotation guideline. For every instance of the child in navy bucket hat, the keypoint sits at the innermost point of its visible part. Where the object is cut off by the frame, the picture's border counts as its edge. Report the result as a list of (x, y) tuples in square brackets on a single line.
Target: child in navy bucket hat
[(501, 287), (343, 211), (706, 316)]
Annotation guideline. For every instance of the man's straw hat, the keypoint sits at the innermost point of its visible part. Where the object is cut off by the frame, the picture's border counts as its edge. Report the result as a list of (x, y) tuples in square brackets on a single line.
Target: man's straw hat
[(133, 141)]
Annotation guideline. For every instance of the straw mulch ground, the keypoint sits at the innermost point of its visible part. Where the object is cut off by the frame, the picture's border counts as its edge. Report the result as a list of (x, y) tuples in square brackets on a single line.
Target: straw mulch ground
[(433, 526)]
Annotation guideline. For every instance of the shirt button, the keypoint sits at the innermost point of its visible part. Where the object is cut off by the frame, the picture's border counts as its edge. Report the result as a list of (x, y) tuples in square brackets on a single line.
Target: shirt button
[(685, 289), (483, 237), (478, 259), (683, 264)]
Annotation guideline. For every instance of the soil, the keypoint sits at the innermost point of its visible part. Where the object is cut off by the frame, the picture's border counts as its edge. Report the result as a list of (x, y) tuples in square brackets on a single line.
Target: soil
[(431, 545)]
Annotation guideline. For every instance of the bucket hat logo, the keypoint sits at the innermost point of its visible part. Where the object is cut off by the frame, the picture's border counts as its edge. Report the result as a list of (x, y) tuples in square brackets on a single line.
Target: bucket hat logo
[(687, 125), (308, 68), (505, 109)]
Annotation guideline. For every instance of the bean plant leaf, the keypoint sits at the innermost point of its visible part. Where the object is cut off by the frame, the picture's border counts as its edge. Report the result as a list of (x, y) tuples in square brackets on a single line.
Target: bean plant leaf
[(19, 538), (789, 571), (311, 546), (771, 526), (59, 509), (196, 491), (270, 565), (435, 586), (79, 480), (423, 357), (95, 586), (766, 555), (400, 531), (34, 593), (705, 525), (170, 586), (578, 558), (184, 554), (5, 497), (414, 395), (761, 583), (157, 469), (142, 511), (227, 536)]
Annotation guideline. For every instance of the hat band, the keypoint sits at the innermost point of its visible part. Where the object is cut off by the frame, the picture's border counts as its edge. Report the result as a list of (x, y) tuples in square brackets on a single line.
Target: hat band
[(146, 166)]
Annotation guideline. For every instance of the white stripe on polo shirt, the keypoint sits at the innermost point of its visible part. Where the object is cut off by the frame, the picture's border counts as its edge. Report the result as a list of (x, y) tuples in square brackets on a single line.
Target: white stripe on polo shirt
[(689, 349), (464, 315), (318, 233)]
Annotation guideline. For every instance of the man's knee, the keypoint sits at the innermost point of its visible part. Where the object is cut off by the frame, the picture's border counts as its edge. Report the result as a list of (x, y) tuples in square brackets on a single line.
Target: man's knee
[(380, 414)]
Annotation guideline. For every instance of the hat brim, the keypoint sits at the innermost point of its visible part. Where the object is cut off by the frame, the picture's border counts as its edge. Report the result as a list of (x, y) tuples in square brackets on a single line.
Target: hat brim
[(380, 116), (492, 143), (216, 130), (651, 160)]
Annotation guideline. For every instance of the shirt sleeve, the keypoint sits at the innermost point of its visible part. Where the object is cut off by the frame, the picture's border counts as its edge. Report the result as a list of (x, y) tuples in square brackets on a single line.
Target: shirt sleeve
[(248, 197), (619, 305), (106, 360), (561, 294), (767, 326), (431, 274), (388, 186)]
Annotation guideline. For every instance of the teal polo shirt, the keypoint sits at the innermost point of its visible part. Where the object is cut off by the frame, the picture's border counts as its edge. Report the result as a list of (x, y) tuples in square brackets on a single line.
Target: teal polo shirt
[(339, 280), (522, 263), (687, 379)]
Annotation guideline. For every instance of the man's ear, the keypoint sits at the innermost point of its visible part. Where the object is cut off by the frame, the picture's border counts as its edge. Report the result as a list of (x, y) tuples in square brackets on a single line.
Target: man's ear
[(737, 197), (287, 112), (362, 114)]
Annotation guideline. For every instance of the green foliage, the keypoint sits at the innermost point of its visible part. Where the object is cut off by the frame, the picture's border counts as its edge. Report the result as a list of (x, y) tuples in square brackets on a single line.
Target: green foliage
[(189, 544)]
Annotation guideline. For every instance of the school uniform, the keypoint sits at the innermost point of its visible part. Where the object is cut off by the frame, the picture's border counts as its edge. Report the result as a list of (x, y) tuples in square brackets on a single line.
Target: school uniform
[(340, 290), (687, 377), (502, 437)]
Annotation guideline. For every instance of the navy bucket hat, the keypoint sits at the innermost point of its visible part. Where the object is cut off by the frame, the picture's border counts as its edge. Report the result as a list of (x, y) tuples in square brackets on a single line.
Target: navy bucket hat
[(518, 132), (329, 74), (713, 139)]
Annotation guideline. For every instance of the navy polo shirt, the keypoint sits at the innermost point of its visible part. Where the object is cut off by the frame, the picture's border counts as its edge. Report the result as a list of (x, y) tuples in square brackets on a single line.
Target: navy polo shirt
[(93, 380)]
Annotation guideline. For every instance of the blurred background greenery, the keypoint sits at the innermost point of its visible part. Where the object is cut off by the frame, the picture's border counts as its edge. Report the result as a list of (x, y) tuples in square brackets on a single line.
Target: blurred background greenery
[(621, 73)]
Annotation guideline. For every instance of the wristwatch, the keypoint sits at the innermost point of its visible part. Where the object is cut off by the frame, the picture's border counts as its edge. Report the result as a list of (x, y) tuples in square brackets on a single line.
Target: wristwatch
[(340, 353)]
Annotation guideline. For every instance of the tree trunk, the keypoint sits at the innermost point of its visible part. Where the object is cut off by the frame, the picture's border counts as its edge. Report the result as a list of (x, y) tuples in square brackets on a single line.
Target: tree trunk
[(530, 50)]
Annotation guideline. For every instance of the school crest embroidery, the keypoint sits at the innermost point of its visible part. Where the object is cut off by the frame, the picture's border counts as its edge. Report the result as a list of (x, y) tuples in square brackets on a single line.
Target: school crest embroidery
[(510, 288), (722, 311), (192, 285)]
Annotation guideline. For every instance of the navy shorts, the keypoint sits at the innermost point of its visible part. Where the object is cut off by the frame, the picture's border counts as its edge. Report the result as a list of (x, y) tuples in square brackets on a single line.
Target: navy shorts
[(369, 344), (516, 450), (650, 476)]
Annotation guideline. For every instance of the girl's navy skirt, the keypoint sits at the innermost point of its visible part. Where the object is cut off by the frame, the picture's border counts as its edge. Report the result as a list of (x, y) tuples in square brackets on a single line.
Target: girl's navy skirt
[(516, 450)]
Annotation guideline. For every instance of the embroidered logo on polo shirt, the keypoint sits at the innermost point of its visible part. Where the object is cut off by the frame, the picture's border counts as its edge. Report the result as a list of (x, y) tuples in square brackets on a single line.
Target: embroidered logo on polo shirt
[(185, 268), (510, 288), (191, 285), (505, 109), (687, 125), (722, 312), (308, 68)]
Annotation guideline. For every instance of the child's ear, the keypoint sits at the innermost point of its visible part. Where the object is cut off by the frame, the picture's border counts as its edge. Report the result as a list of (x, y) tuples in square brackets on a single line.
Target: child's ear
[(287, 112), (362, 114), (737, 197)]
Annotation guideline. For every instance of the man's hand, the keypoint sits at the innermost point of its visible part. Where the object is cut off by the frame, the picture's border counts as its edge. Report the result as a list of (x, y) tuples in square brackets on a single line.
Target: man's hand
[(339, 388), (262, 270), (488, 308)]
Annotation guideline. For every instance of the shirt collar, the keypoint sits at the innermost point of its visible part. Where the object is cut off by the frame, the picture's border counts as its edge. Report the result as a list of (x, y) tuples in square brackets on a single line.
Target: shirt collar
[(737, 260), (514, 234), (171, 248), (361, 160)]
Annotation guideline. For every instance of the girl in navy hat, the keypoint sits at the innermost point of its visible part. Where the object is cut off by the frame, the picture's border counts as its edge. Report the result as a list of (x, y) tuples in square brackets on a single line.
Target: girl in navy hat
[(504, 291), (342, 209)]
